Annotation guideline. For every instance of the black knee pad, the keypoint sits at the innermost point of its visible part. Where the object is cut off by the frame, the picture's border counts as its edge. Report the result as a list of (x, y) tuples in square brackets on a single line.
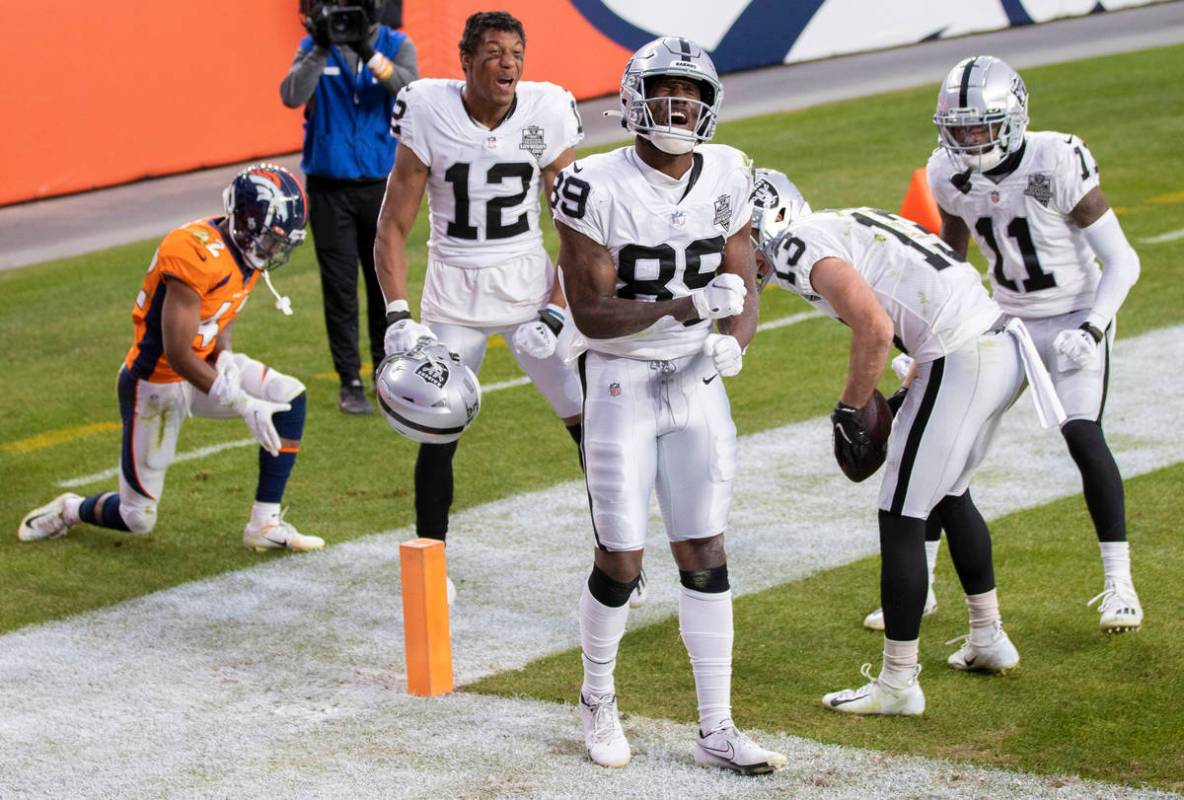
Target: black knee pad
[(609, 592), (708, 581)]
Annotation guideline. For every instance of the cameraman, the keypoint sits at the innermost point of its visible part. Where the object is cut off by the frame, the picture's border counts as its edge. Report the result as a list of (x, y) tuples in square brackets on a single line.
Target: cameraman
[(346, 74)]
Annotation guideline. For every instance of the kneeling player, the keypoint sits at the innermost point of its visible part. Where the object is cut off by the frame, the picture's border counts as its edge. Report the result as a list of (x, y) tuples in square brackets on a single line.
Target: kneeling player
[(181, 364)]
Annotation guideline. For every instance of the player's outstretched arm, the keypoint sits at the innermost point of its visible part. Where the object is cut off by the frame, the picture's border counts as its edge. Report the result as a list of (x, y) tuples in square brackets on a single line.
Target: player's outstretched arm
[(590, 279), (740, 259), (179, 323), (871, 327), (954, 232), (404, 191)]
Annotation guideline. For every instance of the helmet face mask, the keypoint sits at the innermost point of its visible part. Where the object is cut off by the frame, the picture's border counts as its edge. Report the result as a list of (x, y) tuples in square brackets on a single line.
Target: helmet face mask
[(982, 113), (427, 394), (656, 105), (266, 210)]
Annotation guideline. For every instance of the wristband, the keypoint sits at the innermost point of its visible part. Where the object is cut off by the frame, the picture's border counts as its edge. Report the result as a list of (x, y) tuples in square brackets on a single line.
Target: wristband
[(553, 317), (1094, 333), (397, 310)]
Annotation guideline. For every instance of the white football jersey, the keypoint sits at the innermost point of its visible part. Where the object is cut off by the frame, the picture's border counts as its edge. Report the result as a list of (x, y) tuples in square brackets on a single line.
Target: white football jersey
[(1038, 259), (936, 300), (483, 186), (665, 241)]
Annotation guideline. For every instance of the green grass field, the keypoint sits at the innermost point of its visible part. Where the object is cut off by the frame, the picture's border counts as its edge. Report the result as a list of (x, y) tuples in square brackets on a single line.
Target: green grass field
[(65, 327)]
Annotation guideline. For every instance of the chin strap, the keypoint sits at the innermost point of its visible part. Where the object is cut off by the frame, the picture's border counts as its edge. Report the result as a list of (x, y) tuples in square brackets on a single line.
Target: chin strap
[(282, 302)]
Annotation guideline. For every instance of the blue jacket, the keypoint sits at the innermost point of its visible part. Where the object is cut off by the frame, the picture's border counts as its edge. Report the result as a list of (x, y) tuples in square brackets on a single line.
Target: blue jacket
[(347, 135)]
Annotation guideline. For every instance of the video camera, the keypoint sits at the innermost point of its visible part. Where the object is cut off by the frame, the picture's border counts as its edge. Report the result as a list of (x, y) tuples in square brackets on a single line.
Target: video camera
[(340, 23)]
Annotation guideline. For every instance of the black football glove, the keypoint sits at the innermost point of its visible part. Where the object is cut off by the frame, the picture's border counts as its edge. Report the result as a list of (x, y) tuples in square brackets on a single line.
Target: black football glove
[(897, 400), (858, 457), (317, 25)]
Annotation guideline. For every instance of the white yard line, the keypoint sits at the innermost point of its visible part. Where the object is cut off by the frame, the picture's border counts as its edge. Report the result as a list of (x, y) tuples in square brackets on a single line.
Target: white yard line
[(202, 452), (286, 679), (1170, 236)]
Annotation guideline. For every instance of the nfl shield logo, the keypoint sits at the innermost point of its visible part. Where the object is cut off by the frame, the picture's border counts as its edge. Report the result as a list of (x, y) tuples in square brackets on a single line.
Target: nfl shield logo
[(678, 218), (491, 143), (614, 389), (994, 197)]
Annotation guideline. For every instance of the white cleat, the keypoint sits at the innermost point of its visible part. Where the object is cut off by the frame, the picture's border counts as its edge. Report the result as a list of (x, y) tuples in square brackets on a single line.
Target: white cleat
[(879, 697), (1120, 607), (278, 534), (640, 593), (450, 589), (998, 656), (875, 620), (46, 522), (728, 748), (603, 735)]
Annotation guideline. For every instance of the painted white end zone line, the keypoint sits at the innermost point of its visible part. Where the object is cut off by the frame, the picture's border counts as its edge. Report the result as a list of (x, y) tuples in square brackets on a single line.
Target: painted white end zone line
[(285, 679), (1171, 236), (202, 452)]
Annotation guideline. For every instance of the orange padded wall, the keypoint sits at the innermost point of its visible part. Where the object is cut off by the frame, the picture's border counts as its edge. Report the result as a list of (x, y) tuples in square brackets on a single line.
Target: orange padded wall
[(105, 93)]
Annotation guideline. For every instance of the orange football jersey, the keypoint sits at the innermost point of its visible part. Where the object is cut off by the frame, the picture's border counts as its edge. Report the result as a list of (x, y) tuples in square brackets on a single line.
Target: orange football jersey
[(197, 255)]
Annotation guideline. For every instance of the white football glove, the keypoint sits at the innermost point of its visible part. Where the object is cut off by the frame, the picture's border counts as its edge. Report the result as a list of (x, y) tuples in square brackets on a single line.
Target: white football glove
[(901, 366), (1076, 349), (538, 338), (403, 335), (256, 413), (723, 297), (725, 353)]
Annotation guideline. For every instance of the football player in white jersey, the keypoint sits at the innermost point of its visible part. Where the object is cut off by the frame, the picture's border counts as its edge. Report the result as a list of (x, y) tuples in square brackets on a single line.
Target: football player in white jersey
[(1033, 204), (776, 200), (482, 148), (654, 246), (890, 280)]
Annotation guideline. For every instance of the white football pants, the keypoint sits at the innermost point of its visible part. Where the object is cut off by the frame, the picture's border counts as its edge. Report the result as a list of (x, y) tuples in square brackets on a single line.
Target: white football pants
[(947, 422), (555, 380), (1082, 391), (153, 414), (663, 425)]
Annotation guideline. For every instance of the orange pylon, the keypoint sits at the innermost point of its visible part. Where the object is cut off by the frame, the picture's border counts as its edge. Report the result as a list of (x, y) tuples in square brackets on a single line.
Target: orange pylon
[(919, 205), (426, 634)]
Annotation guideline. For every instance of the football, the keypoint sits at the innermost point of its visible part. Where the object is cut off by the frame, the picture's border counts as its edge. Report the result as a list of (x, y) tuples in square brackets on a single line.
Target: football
[(877, 418)]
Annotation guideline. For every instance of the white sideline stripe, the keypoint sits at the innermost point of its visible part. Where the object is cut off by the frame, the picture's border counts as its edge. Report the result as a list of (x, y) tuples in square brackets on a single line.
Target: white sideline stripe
[(188, 455), (284, 679), (1163, 237), (202, 452)]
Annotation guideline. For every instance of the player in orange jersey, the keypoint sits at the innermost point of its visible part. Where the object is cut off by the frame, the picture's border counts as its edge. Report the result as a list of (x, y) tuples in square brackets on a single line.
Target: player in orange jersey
[(181, 364)]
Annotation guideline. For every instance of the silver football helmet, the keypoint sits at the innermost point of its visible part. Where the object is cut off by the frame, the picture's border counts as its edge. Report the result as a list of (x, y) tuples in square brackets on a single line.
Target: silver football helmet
[(982, 112), (427, 394), (655, 118), (776, 202)]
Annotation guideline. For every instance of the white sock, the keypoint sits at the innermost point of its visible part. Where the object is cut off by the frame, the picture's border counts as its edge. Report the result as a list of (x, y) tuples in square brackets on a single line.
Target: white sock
[(70, 509), (1116, 560), (984, 616), (931, 549), (705, 621), (900, 661), (263, 513), (601, 629)]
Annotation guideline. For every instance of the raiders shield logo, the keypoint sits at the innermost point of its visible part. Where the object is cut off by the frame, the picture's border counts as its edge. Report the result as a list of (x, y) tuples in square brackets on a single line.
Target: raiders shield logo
[(764, 194), (723, 211), (532, 141), (434, 373), (1040, 188)]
